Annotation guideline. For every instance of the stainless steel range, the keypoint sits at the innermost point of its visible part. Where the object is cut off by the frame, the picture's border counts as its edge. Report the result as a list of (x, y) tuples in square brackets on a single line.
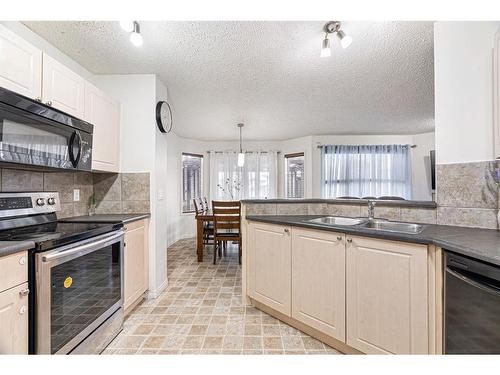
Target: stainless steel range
[(75, 274)]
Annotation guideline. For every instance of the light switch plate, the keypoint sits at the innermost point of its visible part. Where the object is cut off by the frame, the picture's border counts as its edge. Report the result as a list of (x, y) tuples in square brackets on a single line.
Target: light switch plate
[(161, 194), (76, 195)]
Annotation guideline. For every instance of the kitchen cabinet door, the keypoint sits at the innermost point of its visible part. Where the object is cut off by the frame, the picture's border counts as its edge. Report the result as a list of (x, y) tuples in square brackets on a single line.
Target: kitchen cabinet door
[(269, 257), (104, 113), (136, 276), (62, 88), (318, 280), (14, 320), (20, 65), (387, 304)]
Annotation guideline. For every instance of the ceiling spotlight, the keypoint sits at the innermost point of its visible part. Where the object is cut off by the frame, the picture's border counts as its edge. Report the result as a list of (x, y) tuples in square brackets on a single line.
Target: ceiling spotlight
[(333, 27), (345, 40), (135, 35), (325, 47), (128, 26)]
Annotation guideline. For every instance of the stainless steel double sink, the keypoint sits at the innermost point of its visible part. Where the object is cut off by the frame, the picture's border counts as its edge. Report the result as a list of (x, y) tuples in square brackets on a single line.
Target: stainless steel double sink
[(375, 224)]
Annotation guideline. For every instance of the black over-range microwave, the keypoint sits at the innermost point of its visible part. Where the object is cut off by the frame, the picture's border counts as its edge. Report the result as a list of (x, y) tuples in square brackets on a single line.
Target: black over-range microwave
[(35, 135)]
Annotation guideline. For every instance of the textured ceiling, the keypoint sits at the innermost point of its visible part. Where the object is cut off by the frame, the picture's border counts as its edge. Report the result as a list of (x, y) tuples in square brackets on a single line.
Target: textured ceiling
[(269, 74)]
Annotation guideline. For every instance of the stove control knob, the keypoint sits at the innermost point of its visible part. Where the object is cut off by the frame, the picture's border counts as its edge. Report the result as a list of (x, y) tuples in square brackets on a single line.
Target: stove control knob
[(40, 202), (51, 201)]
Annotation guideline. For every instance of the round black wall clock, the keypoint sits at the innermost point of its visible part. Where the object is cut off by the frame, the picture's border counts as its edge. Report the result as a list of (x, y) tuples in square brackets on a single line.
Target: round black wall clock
[(164, 117)]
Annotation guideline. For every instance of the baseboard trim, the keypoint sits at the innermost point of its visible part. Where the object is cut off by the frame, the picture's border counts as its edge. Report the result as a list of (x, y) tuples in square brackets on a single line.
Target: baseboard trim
[(334, 343), (155, 293)]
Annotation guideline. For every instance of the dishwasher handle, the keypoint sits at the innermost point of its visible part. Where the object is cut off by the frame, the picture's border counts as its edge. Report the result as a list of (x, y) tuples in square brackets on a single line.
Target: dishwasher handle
[(489, 288)]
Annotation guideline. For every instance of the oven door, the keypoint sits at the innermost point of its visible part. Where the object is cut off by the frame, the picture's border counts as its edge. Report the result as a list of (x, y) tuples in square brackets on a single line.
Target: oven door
[(78, 287), (31, 134)]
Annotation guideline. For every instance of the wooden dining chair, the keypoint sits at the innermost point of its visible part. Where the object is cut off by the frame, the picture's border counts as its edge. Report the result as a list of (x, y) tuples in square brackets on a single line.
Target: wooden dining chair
[(227, 225), (208, 228)]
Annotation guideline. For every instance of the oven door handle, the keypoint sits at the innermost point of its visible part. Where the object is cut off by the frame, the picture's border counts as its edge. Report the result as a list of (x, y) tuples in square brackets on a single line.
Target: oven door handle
[(83, 249), (486, 288)]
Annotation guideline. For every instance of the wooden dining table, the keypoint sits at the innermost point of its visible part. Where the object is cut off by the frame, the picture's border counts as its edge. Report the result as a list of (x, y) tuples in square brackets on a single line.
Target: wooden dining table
[(201, 219)]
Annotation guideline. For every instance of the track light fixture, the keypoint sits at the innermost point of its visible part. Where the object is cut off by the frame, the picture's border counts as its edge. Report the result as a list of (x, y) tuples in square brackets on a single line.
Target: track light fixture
[(333, 27), (134, 29)]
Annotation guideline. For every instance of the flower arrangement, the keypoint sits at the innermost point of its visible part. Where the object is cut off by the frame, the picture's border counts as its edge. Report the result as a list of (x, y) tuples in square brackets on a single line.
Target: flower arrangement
[(230, 188)]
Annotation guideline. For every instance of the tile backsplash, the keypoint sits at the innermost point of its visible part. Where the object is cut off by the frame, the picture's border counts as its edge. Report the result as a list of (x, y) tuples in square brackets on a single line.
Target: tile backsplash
[(467, 194), (115, 193), (122, 193)]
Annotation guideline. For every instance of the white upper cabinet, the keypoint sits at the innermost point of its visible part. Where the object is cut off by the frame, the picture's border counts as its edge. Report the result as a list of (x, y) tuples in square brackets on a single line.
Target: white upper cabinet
[(496, 93), (104, 113), (20, 65), (62, 88)]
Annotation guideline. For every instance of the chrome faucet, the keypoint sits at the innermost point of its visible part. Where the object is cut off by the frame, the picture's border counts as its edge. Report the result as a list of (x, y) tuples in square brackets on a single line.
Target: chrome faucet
[(371, 210)]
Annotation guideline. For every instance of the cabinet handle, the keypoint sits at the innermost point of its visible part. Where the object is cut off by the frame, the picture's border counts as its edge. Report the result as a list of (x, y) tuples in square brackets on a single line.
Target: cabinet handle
[(22, 261), (38, 99), (24, 292), (349, 240), (22, 310), (339, 238), (49, 103), (286, 230)]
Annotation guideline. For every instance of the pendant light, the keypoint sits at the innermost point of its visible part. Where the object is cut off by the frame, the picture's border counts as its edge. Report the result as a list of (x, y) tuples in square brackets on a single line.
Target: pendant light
[(241, 155)]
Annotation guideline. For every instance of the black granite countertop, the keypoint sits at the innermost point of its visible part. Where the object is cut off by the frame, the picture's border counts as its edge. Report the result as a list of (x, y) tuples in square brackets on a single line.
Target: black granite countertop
[(364, 202), (11, 247), (107, 218), (482, 244)]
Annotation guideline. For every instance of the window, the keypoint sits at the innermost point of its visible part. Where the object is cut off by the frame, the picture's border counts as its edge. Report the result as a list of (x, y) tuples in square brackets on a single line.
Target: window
[(366, 171), (192, 180), (294, 175), (257, 179)]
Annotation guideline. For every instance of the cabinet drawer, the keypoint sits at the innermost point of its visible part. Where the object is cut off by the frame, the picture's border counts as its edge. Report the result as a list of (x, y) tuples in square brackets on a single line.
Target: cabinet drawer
[(14, 270), (14, 320)]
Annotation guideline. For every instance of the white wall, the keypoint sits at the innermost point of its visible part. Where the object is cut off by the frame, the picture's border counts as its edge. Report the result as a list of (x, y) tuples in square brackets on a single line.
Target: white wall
[(158, 199), (463, 74), (143, 149)]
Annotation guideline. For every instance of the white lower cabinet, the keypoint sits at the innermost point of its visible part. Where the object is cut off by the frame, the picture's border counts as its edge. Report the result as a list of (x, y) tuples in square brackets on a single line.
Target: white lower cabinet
[(270, 265), (371, 294), (318, 280), (14, 320), (135, 262), (387, 306)]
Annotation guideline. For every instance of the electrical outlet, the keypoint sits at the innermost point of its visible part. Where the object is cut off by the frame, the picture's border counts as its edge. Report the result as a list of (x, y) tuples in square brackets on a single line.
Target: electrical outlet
[(76, 195)]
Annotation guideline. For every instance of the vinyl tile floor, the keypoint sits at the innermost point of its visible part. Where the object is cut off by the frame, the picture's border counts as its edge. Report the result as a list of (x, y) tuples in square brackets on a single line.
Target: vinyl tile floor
[(201, 312)]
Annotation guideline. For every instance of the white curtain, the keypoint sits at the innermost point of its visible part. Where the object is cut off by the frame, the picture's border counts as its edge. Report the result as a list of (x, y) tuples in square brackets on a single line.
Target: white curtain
[(366, 171), (257, 179)]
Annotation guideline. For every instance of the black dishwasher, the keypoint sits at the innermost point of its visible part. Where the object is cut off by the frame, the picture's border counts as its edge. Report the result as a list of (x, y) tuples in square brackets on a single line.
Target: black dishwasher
[(471, 306)]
